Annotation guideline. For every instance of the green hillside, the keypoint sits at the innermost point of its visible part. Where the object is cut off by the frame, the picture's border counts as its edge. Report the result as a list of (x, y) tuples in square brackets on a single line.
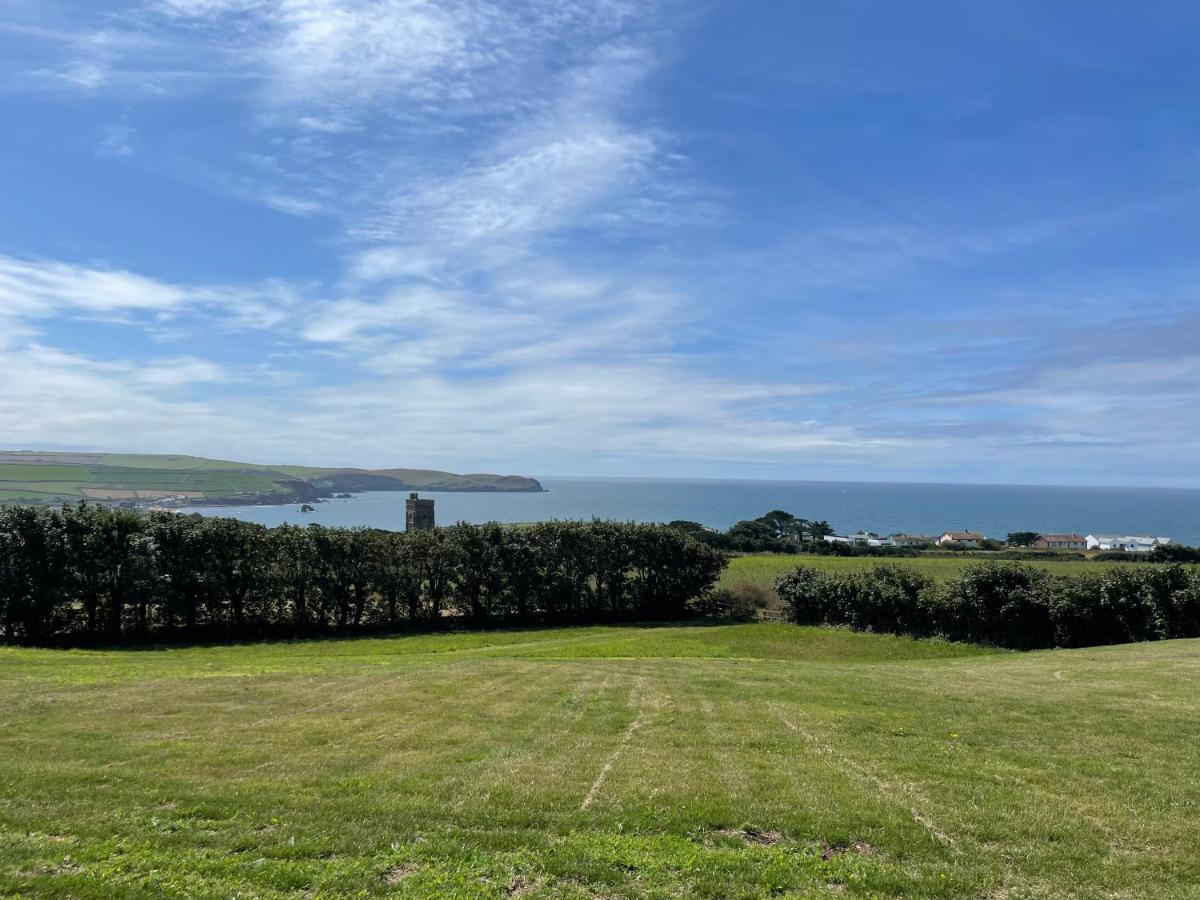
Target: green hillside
[(721, 761), (32, 476)]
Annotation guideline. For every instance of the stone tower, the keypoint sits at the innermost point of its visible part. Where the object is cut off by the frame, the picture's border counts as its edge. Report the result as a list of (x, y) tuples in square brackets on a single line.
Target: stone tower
[(418, 514)]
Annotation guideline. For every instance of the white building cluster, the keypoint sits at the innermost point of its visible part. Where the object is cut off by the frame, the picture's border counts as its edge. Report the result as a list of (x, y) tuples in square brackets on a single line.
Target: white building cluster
[(1129, 543), (1136, 543)]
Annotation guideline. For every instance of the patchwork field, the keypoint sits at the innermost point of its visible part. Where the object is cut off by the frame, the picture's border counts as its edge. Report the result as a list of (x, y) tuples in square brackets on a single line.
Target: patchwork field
[(723, 761), (122, 478), (38, 477)]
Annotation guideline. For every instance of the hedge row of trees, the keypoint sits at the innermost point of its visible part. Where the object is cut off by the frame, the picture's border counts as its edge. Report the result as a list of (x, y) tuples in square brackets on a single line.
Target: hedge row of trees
[(88, 574), (1004, 604)]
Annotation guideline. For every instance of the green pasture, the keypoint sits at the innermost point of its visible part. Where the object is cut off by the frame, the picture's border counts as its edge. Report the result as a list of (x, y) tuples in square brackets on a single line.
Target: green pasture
[(22, 472), (20, 480), (722, 761), (764, 569), (22, 495), (166, 461)]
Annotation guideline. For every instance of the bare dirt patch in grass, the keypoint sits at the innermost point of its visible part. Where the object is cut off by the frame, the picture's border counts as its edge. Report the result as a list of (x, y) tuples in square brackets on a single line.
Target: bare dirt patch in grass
[(759, 837), (519, 887), (830, 851), (397, 874)]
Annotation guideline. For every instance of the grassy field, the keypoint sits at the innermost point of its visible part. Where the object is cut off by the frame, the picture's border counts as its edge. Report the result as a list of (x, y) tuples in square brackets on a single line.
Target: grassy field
[(731, 761), (43, 477), (764, 569), (126, 477)]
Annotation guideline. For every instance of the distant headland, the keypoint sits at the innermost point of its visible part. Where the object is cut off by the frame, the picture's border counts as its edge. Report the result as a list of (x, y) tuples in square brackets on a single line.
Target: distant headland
[(31, 476)]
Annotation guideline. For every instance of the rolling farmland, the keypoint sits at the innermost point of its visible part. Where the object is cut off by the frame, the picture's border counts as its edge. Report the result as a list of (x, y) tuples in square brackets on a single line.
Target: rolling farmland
[(55, 477)]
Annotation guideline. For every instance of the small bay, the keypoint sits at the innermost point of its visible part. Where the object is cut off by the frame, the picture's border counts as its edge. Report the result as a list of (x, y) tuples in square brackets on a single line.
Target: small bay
[(884, 508)]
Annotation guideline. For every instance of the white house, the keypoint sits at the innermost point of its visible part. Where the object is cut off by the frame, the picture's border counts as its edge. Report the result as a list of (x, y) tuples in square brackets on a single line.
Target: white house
[(966, 538), (1129, 543), (862, 538)]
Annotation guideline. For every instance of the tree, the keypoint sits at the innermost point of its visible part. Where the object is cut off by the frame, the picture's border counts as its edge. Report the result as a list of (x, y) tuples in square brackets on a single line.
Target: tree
[(89, 573), (345, 570), (786, 526), (112, 560), (820, 529), (35, 566), (1022, 538), (479, 580), (430, 560), (295, 565), (523, 561), (182, 576), (235, 555)]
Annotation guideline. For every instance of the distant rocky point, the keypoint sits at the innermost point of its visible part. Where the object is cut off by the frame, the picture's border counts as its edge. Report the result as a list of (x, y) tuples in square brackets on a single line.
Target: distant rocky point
[(28, 476)]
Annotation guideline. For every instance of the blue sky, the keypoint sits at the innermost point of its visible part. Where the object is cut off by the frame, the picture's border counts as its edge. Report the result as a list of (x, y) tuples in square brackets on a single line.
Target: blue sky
[(928, 241)]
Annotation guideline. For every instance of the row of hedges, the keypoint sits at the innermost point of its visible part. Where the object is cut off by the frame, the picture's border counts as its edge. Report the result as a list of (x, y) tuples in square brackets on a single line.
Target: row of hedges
[(1003, 604), (86, 574)]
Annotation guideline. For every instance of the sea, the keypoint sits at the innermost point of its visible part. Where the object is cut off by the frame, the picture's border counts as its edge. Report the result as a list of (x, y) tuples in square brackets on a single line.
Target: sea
[(994, 510)]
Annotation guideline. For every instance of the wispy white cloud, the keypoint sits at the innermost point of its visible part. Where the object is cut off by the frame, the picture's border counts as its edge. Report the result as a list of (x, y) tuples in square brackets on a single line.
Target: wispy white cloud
[(33, 289), (344, 57), (523, 265), (118, 141), (41, 286), (524, 89)]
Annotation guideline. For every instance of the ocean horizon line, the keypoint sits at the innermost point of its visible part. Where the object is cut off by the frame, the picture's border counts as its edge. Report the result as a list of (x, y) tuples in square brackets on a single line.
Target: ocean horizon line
[(867, 481)]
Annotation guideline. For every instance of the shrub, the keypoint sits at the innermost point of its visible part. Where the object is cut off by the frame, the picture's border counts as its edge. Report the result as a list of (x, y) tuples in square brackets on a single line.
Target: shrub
[(1078, 616), (1004, 604), (1130, 607), (809, 595), (1174, 553), (894, 599), (743, 602), (1184, 614)]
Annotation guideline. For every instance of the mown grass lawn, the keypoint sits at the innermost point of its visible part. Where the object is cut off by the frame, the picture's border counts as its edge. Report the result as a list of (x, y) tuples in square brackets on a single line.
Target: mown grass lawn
[(720, 761)]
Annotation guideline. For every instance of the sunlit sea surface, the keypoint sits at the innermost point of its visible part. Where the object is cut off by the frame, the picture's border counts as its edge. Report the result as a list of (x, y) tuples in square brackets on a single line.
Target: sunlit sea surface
[(994, 510)]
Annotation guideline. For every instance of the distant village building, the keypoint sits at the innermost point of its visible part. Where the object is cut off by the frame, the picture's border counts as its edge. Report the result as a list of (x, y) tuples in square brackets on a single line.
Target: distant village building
[(1061, 542), (862, 539), (1129, 543), (911, 540), (418, 514), (965, 538)]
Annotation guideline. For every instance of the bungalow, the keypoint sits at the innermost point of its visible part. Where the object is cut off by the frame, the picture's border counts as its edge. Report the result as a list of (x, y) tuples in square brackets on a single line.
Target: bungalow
[(966, 538), (1129, 543), (911, 540), (1061, 542)]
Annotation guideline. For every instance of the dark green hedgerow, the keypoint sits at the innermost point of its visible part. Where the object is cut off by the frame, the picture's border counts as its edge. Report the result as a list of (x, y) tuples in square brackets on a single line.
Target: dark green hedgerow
[(84, 574), (1003, 604)]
